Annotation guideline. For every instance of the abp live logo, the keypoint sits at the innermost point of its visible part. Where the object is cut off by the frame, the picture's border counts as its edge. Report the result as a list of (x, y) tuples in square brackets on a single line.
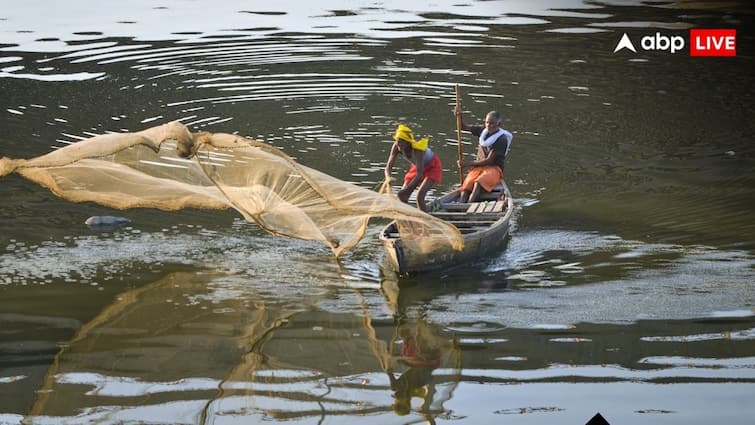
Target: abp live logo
[(703, 42), (713, 42)]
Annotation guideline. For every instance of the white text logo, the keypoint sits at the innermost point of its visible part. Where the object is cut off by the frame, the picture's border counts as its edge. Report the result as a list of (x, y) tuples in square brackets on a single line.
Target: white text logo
[(655, 42)]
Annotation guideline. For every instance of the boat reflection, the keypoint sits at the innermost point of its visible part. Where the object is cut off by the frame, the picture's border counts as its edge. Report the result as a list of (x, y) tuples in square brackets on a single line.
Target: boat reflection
[(207, 347), (422, 352), (199, 348), (425, 354)]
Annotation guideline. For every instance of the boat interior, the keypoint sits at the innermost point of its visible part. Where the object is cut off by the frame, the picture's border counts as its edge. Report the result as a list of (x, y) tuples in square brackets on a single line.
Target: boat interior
[(470, 217)]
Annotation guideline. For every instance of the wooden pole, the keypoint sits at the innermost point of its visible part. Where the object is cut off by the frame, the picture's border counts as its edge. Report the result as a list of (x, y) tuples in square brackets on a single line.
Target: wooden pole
[(458, 131)]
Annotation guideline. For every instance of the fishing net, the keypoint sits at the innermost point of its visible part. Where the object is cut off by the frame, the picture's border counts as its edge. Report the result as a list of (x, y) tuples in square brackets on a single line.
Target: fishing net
[(169, 168)]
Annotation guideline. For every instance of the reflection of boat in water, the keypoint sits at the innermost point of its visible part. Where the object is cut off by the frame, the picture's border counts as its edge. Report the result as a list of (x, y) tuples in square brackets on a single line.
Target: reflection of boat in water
[(483, 225), (422, 352), (173, 352)]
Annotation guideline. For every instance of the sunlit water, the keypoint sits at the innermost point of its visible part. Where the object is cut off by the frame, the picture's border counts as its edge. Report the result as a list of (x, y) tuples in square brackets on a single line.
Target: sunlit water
[(625, 287)]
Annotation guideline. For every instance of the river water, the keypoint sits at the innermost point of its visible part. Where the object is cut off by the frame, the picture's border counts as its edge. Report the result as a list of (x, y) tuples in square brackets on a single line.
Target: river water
[(626, 286)]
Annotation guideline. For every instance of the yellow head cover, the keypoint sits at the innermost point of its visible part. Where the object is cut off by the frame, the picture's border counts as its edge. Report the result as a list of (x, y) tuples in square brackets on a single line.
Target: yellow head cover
[(405, 133)]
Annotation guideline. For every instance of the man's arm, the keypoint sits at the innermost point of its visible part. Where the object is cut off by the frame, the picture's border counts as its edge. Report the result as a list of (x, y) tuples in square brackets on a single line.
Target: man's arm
[(418, 158), (488, 160), (391, 160)]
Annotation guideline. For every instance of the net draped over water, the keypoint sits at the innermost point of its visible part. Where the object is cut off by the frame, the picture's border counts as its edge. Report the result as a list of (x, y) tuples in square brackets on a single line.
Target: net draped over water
[(169, 168)]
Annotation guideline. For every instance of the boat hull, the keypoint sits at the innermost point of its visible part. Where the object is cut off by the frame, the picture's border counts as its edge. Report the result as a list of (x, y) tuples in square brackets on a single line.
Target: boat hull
[(478, 244)]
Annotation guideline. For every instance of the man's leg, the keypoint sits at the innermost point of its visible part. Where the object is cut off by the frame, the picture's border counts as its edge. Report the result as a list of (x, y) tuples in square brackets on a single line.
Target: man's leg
[(466, 185), (475, 196), (424, 187)]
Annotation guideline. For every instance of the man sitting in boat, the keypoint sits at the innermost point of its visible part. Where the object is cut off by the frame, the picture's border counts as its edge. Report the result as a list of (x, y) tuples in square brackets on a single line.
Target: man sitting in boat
[(425, 170), (487, 169)]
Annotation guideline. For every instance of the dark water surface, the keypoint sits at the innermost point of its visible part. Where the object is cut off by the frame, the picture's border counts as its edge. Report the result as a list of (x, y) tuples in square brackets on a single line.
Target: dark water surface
[(626, 287)]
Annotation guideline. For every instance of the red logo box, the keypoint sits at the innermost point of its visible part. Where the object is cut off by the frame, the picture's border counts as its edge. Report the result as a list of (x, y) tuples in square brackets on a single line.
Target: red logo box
[(712, 42)]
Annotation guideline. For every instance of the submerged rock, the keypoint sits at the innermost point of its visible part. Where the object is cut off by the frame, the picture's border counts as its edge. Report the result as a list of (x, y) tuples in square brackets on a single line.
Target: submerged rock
[(106, 222)]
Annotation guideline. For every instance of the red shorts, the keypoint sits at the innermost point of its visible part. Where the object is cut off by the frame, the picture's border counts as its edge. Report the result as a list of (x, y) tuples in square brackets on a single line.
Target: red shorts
[(487, 176), (412, 354), (433, 171)]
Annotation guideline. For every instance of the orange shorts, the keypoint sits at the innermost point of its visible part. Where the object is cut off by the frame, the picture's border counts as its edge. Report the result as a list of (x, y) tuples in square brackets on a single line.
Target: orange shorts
[(433, 171), (487, 176)]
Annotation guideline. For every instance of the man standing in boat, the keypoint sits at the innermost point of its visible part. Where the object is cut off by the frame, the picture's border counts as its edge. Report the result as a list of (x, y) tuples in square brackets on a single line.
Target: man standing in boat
[(487, 169), (425, 170)]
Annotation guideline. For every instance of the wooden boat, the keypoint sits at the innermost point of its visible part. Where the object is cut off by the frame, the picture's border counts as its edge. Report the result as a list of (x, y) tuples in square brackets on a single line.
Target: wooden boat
[(484, 226)]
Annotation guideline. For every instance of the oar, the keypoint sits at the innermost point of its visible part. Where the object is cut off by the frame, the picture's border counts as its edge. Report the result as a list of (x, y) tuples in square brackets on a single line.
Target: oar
[(458, 131)]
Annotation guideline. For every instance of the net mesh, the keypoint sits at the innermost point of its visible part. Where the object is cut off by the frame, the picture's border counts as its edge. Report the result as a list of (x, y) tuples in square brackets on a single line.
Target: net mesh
[(169, 168)]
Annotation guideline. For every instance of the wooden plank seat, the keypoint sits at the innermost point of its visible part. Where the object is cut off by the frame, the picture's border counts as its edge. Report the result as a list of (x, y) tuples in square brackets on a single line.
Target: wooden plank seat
[(468, 230), (464, 223), (486, 207), (476, 211), (471, 217), (452, 216), (454, 206)]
